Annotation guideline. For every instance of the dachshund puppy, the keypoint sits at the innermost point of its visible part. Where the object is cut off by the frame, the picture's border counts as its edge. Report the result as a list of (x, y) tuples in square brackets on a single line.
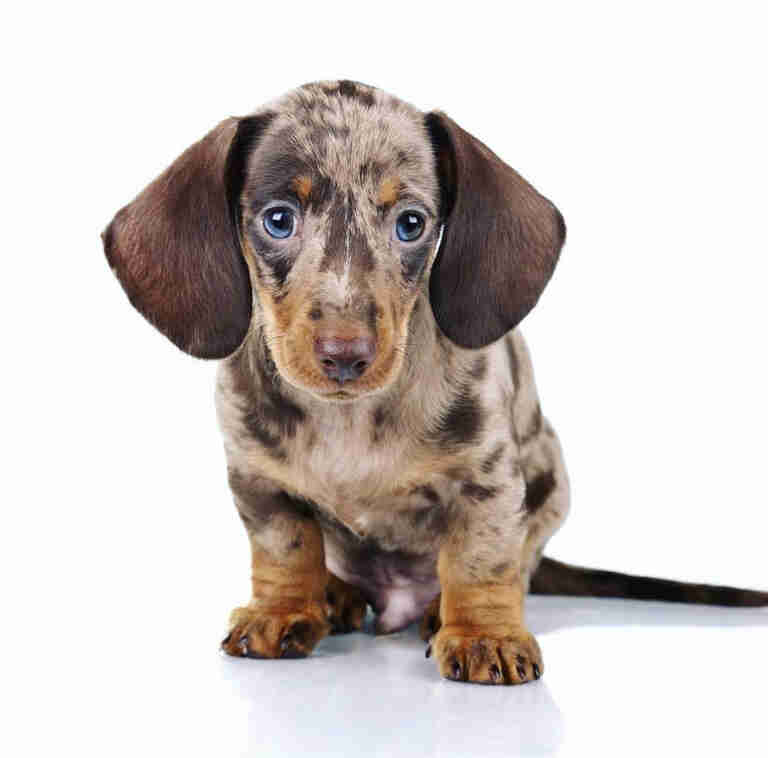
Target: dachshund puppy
[(360, 267)]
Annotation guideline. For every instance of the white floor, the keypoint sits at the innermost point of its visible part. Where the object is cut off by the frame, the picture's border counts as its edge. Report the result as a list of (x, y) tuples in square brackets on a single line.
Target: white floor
[(622, 679)]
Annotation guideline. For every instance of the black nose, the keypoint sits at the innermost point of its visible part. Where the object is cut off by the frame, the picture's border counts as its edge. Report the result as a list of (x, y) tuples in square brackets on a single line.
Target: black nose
[(345, 359)]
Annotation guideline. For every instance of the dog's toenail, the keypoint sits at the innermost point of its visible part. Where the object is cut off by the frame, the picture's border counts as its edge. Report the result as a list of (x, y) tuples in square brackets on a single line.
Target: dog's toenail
[(495, 673), (521, 672), (428, 651), (536, 671), (521, 660), (226, 640), (456, 670)]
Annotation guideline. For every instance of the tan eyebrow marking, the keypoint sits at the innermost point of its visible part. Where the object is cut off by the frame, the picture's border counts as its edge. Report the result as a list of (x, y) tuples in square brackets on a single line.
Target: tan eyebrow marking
[(303, 186), (388, 191)]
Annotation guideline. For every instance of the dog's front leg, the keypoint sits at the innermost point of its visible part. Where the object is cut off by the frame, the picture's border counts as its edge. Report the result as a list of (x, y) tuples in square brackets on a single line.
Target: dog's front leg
[(483, 637), (287, 614)]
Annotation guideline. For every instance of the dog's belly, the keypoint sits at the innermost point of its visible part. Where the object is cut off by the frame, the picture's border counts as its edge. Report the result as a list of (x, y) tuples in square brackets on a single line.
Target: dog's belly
[(398, 585)]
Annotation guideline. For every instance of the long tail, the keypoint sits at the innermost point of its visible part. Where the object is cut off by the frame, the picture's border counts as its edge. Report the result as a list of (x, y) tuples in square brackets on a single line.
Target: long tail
[(555, 578)]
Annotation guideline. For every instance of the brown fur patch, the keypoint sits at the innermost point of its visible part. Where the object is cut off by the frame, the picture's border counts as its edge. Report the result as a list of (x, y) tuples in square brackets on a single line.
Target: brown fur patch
[(389, 190), (483, 637), (538, 490), (286, 616), (476, 491), (303, 186)]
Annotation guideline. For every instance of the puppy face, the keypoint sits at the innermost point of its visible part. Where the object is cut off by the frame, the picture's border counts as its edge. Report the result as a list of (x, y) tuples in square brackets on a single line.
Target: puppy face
[(339, 221), (317, 220)]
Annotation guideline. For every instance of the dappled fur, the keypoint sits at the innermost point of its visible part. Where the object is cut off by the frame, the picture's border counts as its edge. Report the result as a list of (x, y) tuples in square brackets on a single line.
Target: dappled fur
[(431, 480)]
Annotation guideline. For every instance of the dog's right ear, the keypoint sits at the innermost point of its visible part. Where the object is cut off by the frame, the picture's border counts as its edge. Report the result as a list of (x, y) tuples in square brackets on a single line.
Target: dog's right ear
[(501, 239), (176, 247)]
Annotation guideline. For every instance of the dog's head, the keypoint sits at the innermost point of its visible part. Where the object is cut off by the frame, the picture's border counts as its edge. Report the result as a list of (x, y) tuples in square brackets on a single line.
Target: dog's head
[(319, 218)]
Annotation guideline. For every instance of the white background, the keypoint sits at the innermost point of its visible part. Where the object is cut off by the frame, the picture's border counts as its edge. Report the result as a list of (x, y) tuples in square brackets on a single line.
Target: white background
[(121, 552)]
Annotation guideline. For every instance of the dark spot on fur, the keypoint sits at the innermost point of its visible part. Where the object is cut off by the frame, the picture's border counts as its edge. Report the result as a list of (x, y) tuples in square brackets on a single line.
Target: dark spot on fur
[(257, 502), (433, 519), (280, 266), (538, 490), (316, 313), (474, 568), (534, 428), (373, 171), (380, 417), (489, 464), (373, 315), (428, 493), (477, 491), (253, 422), (342, 235), (267, 414), (352, 90), (321, 193), (479, 368), (462, 421), (500, 568), (412, 262), (458, 473)]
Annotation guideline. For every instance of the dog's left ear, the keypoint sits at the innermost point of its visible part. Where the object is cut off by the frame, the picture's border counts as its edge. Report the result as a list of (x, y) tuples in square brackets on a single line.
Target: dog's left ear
[(176, 247), (500, 243)]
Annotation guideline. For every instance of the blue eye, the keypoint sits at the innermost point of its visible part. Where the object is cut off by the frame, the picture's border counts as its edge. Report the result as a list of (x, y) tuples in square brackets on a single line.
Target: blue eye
[(409, 226), (279, 222)]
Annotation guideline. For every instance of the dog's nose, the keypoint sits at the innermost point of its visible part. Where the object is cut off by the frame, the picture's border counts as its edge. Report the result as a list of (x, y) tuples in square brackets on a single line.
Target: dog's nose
[(345, 359)]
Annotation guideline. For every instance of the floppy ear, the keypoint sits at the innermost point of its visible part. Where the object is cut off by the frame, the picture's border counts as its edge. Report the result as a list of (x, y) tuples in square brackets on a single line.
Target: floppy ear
[(176, 247), (500, 244)]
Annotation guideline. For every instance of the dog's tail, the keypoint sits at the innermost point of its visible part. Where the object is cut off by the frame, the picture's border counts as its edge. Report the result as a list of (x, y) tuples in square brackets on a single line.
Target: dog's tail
[(556, 578)]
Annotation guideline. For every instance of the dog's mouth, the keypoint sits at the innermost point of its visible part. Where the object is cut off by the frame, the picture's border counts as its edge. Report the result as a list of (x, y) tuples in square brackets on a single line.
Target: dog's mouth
[(337, 362), (332, 392), (341, 395)]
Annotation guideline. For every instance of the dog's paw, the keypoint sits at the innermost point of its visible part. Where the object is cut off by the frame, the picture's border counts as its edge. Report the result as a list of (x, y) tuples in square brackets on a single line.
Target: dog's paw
[(488, 655), (346, 606), (430, 622), (259, 633)]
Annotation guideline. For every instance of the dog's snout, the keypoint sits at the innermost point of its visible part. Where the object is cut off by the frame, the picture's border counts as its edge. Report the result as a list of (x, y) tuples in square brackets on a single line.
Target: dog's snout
[(343, 359)]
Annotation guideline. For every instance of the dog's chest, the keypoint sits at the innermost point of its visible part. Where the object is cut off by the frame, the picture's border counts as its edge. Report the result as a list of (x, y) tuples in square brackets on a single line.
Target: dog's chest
[(341, 458)]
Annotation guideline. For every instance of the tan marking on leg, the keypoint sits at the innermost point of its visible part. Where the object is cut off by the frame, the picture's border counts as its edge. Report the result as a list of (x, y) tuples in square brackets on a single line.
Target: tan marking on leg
[(286, 616), (483, 637)]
